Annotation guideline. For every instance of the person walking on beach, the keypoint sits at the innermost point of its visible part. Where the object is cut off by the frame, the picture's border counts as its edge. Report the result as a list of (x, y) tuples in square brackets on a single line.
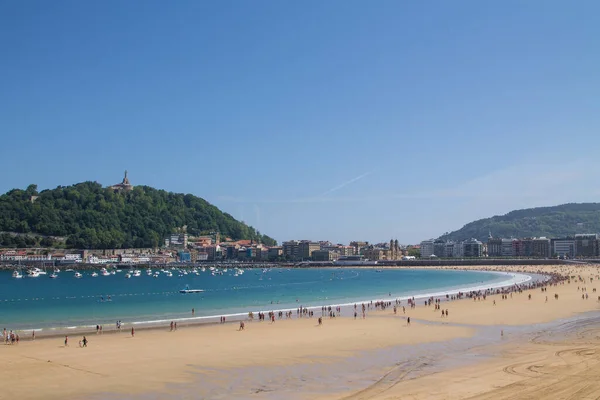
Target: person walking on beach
[(32, 335), (132, 331), (85, 341), (66, 341), (408, 321), (242, 326)]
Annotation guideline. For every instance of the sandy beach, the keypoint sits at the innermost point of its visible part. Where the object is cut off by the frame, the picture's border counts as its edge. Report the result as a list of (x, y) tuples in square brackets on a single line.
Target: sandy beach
[(525, 362)]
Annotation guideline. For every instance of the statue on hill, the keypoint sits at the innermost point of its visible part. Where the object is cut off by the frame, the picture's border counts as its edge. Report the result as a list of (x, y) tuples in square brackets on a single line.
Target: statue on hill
[(124, 186)]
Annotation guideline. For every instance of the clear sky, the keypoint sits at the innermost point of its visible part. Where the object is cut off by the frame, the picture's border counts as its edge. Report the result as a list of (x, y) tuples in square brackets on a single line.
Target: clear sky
[(327, 120)]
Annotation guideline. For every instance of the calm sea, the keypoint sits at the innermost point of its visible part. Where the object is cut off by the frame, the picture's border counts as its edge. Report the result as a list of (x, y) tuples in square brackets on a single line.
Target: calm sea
[(42, 302)]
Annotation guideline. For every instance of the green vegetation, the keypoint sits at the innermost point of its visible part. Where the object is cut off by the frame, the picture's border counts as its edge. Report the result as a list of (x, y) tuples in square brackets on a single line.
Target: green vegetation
[(558, 221), (93, 217)]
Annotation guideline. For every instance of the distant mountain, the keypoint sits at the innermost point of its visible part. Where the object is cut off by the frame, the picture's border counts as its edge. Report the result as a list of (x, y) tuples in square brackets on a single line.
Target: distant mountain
[(122, 216), (558, 221)]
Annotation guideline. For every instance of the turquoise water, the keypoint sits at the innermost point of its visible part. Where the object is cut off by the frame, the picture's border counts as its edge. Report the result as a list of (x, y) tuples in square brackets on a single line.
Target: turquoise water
[(42, 302)]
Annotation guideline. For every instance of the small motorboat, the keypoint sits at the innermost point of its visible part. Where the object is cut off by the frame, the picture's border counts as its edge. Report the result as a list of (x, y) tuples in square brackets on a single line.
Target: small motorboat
[(188, 290), (78, 275), (17, 275), (53, 276)]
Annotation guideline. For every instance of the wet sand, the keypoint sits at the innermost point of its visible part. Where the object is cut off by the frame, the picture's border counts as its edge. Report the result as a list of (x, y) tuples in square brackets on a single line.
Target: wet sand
[(461, 356)]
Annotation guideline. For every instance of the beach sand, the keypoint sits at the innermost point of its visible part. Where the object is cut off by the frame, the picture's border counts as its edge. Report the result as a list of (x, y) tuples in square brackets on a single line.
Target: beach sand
[(559, 366)]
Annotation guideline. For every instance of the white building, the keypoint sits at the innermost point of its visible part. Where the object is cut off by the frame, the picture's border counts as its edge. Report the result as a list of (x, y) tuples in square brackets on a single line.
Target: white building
[(563, 247), (427, 248)]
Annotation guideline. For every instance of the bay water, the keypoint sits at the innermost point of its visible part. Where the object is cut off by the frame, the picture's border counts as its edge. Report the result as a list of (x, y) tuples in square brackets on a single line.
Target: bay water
[(43, 303)]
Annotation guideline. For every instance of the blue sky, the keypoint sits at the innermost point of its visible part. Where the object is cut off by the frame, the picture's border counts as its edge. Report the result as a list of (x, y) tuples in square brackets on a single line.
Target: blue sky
[(337, 120)]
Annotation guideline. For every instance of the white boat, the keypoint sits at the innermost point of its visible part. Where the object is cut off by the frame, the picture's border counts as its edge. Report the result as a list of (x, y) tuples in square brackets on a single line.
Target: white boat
[(128, 275), (53, 276), (56, 270), (105, 273), (17, 275), (137, 272), (32, 273), (78, 275), (169, 274), (188, 290), (94, 274), (35, 272)]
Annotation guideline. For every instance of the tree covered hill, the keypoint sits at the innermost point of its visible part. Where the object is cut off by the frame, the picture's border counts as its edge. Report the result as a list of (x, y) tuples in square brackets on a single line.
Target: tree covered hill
[(558, 221), (93, 217)]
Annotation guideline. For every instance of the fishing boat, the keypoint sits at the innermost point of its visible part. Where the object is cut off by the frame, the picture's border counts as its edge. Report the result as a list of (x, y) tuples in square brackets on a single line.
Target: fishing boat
[(128, 275), (53, 276), (94, 274), (16, 274), (78, 275)]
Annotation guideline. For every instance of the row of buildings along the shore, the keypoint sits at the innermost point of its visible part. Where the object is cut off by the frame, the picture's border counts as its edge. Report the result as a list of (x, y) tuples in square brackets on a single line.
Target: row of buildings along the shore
[(578, 246), (181, 247)]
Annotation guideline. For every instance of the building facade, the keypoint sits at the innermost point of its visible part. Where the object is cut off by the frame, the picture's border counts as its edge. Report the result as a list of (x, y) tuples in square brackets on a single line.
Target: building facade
[(325, 255), (427, 249), (564, 247), (586, 245), (306, 248), (472, 248)]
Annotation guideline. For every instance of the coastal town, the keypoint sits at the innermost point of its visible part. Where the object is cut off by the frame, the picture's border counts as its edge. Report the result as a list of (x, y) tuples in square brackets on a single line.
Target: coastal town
[(184, 248)]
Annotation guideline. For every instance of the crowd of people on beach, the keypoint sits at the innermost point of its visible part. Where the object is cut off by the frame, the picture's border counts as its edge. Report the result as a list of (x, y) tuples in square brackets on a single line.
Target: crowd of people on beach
[(552, 279)]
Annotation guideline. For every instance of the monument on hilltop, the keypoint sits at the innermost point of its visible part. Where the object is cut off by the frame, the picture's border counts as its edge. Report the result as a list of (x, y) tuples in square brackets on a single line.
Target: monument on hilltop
[(124, 186)]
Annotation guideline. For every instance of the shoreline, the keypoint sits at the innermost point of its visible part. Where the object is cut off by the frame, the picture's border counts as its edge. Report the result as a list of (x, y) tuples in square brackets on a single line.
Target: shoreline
[(383, 357), (236, 317)]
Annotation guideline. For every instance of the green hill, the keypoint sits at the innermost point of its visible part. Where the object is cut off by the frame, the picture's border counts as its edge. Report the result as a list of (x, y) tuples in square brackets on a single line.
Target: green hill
[(93, 217), (558, 221)]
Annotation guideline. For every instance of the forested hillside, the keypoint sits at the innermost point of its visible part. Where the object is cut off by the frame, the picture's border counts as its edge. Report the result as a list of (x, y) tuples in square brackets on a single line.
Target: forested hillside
[(93, 217), (558, 221)]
